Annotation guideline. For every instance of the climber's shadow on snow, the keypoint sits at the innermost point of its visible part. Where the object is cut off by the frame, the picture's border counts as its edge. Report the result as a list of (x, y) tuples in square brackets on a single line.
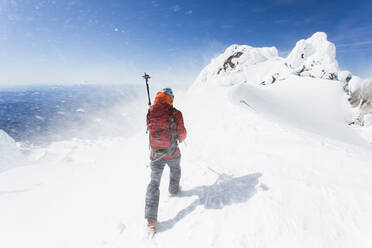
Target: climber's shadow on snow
[(225, 191)]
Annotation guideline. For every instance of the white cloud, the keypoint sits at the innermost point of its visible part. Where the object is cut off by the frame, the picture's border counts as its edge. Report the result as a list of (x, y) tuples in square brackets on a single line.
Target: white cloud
[(155, 4), (189, 12), (350, 36), (176, 8), (356, 43)]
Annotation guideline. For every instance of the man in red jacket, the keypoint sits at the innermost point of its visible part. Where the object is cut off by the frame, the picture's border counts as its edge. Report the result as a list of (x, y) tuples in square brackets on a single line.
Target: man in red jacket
[(166, 129)]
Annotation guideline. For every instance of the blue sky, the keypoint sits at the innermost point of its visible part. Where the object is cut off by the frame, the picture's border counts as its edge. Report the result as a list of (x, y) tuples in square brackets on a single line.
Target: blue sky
[(112, 41)]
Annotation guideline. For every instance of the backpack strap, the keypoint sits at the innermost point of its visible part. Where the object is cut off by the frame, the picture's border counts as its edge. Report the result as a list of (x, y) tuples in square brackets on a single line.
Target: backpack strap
[(172, 127)]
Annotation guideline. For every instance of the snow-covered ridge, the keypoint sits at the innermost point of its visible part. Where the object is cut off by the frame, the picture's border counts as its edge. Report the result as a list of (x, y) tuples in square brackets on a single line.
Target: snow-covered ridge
[(314, 57)]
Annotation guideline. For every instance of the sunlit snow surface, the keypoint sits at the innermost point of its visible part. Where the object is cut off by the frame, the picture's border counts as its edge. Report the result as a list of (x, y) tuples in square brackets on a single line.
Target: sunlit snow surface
[(248, 181), (264, 166)]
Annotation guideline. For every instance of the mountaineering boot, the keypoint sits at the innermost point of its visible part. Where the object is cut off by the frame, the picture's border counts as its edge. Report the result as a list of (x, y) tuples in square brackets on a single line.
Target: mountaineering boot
[(151, 225), (174, 194)]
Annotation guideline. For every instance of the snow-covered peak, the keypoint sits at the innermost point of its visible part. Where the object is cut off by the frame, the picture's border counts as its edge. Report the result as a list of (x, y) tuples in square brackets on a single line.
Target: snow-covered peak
[(235, 59), (314, 57)]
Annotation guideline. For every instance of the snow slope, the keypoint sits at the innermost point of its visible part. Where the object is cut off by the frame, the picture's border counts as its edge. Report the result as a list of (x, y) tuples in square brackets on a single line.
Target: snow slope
[(264, 166), (11, 155)]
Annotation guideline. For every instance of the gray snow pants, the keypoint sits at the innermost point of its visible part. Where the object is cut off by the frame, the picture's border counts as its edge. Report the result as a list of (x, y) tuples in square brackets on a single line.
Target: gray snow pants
[(153, 192)]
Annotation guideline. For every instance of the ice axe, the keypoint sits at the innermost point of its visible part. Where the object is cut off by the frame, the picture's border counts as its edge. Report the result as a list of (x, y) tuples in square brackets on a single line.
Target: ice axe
[(147, 77)]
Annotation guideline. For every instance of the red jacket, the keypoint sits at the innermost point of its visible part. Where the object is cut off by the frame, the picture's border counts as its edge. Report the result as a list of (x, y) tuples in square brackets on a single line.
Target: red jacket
[(180, 130)]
